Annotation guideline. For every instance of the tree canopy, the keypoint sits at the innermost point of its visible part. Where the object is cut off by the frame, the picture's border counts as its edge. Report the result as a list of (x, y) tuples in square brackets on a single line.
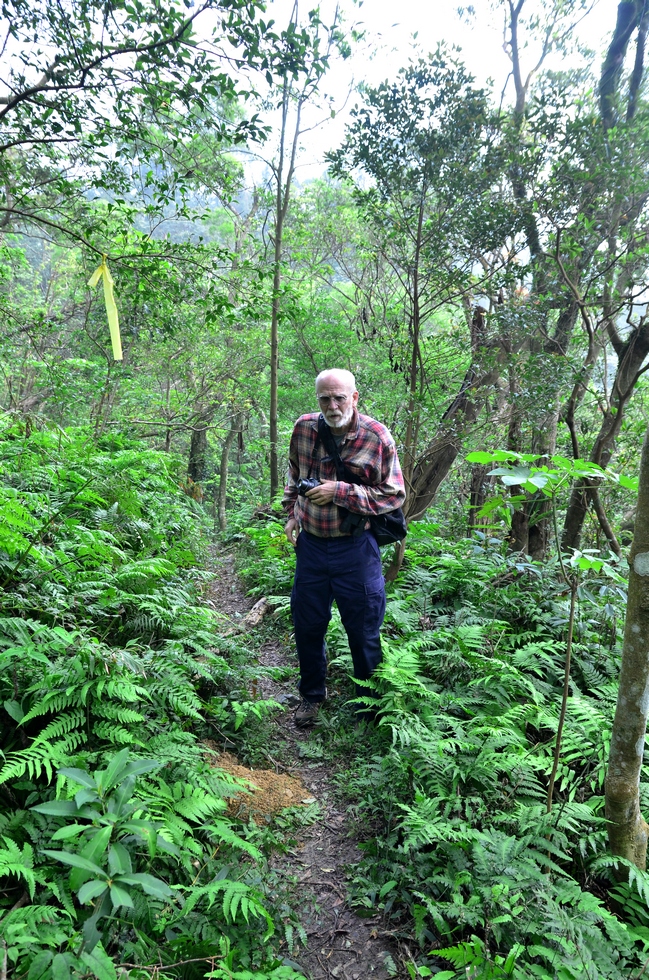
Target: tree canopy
[(476, 254)]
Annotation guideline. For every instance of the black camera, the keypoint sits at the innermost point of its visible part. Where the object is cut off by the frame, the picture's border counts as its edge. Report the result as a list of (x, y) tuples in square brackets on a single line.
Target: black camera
[(304, 485)]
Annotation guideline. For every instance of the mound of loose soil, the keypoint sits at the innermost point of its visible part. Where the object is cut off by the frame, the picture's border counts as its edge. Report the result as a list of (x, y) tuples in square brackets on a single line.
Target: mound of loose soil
[(269, 792)]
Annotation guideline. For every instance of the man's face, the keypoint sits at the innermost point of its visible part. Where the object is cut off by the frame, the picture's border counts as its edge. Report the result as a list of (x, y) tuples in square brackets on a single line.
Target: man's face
[(337, 402)]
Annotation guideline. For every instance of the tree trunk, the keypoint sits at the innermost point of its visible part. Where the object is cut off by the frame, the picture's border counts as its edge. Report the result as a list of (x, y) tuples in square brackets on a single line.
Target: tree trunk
[(627, 829), (396, 561), (412, 428), (434, 462), (235, 429), (274, 366), (282, 198), (197, 464), (631, 356), (481, 483), (628, 14), (539, 509), (518, 537)]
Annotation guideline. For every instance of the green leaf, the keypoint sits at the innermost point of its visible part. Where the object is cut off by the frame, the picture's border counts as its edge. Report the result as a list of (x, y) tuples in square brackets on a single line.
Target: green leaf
[(100, 963), (538, 480), (120, 896), (91, 889), (91, 934), (479, 457), (40, 965), (14, 710), (139, 766), (79, 776), (86, 796), (166, 846), (76, 861), (98, 843), (148, 883), (73, 830), (110, 776), (515, 475), (629, 482), (57, 808), (60, 967), (119, 860), (387, 887)]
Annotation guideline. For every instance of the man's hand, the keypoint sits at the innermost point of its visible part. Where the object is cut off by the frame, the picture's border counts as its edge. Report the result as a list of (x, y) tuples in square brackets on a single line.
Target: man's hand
[(323, 493), (291, 531)]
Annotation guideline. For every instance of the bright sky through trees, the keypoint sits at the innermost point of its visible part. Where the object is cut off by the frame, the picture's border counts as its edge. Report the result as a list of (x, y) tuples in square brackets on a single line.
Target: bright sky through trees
[(389, 29)]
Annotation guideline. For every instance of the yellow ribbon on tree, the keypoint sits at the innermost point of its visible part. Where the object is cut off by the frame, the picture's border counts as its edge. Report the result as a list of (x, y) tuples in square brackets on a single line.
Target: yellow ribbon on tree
[(103, 272)]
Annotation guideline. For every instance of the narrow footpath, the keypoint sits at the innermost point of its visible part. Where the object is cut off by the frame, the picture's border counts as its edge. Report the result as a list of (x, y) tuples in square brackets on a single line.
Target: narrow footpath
[(340, 944)]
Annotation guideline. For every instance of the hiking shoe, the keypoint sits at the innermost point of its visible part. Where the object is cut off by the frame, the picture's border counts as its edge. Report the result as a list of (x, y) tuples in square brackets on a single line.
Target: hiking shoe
[(306, 713)]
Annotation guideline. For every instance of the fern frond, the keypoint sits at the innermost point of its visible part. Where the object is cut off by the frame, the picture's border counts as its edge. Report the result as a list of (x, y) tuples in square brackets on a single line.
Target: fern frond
[(42, 759)]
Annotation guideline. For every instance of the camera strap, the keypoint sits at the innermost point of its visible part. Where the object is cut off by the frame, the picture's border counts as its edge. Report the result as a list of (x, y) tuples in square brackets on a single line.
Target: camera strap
[(353, 524), (314, 451), (326, 438), (387, 528)]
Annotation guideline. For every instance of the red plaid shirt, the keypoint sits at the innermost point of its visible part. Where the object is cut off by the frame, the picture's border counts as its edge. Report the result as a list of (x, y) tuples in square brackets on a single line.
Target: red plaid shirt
[(367, 450)]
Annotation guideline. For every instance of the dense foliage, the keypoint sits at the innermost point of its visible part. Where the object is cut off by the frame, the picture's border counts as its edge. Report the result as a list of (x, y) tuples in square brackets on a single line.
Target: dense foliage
[(478, 258), (461, 852), (116, 847)]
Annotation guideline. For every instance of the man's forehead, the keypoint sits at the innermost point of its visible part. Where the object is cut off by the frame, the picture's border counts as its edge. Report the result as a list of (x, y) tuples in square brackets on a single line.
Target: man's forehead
[(333, 385)]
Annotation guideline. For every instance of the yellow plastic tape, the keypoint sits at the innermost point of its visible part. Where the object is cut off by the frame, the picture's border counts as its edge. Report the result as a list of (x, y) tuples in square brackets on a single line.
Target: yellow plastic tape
[(103, 272)]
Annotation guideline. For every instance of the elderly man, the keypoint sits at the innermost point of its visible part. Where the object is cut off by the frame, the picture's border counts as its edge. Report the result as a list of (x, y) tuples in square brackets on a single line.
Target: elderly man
[(334, 561)]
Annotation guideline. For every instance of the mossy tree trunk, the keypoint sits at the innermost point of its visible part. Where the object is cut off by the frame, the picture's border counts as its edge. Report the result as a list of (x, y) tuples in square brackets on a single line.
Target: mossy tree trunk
[(627, 829)]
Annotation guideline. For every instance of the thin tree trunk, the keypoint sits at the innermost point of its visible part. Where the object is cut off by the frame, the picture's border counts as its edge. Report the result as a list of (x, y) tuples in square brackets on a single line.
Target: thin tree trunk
[(283, 196), (631, 354), (235, 429), (409, 449), (436, 460), (604, 522), (396, 562), (627, 829), (480, 484), (518, 538), (197, 464), (274, 320), (168, 413), (627, 19)]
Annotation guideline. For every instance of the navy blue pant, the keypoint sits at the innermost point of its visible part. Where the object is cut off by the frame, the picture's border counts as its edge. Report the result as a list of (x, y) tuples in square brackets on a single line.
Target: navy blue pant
[(348, 570)]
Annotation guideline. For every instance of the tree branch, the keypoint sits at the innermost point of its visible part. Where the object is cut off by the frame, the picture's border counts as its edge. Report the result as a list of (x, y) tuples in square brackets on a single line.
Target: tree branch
[(43, 85)]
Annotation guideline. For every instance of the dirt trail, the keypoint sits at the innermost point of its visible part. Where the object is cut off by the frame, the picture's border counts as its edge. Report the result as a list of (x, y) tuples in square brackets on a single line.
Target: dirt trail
[(341, 944)]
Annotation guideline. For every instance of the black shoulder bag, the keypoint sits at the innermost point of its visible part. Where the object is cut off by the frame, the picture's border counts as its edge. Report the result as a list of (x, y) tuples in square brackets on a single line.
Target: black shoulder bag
[(386, 528)]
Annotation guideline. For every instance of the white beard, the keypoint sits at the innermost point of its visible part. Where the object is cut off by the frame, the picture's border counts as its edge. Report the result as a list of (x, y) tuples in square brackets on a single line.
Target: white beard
[(339, 420)]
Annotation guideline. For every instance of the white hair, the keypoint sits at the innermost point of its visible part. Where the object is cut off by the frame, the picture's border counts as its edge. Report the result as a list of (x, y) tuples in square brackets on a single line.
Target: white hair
[(346, 377)]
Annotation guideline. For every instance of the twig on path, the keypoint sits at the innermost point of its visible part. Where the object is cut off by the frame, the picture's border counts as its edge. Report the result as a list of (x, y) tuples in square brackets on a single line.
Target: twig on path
[(330, 884)]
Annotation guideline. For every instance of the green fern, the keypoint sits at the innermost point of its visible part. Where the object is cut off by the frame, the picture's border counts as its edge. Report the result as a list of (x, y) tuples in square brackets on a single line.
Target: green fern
[(19, 862)]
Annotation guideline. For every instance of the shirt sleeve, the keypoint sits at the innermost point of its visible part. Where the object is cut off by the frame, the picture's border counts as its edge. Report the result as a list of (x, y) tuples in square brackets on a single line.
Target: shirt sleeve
[(292, 476), (380, 497)]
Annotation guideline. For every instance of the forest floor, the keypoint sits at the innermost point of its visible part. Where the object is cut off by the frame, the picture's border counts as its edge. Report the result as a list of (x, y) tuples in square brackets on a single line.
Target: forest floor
[(340, 944)]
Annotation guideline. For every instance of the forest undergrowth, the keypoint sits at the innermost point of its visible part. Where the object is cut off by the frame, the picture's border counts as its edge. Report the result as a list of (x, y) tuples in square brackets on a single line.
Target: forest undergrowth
[(116, 851), (462, 853)]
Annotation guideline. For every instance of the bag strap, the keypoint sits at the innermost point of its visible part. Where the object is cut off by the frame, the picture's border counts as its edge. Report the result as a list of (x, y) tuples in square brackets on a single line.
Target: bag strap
[(326, 437), (314, 451)]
